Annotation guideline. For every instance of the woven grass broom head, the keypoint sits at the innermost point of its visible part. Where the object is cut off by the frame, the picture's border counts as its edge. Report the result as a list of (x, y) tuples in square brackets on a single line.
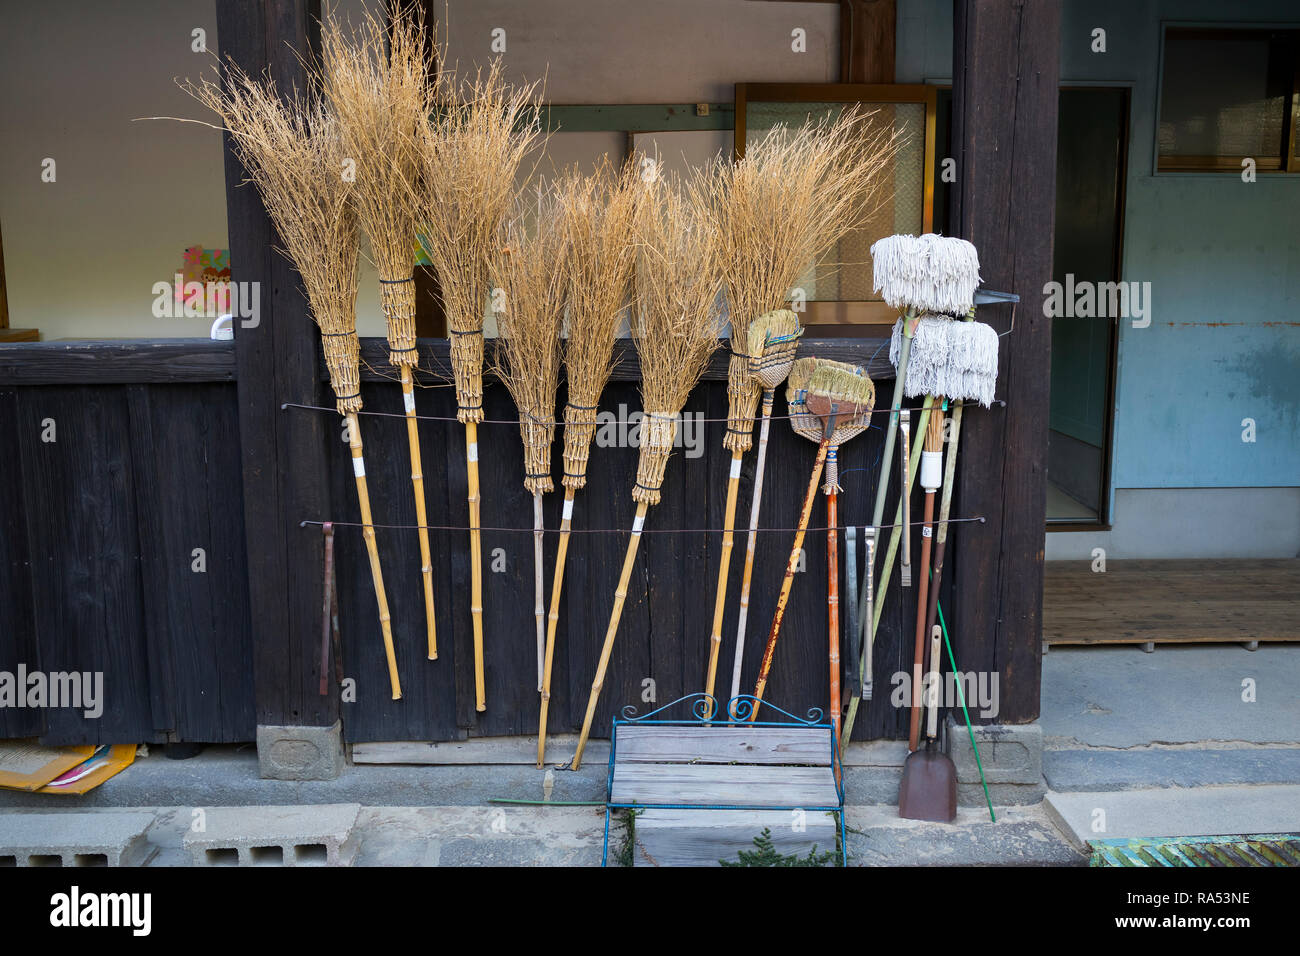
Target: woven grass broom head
[(470, 152), (773, 341), (677, 315), (927, 273), (376, 81), (291, 149), (815, 385), (533, 273), (794, 193), (597, 212)]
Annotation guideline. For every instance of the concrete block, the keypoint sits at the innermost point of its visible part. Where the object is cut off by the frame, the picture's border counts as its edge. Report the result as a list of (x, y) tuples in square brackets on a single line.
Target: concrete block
[(300, 753), (1012, 757), (320, 835), (75, 839), (1175, 811)]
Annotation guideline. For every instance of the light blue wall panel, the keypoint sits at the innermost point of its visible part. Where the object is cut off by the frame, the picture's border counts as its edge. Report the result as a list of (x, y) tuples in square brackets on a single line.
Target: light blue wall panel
[(1222, 257)]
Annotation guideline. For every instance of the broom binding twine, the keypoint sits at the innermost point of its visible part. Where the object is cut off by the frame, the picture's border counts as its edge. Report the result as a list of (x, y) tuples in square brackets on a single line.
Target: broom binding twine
[(397, 299), (467, 368), (343, 360), (658, 433)]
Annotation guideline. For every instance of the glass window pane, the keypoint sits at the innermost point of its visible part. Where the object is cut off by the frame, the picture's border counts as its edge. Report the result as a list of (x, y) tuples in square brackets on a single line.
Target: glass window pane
[(843, 273), (1225, 95)]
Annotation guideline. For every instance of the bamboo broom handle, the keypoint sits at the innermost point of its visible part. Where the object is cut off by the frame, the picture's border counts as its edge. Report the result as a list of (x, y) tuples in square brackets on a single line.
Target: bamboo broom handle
[(751, 544), (421, 513), (878, 593), (833, 608), (553, 620), (368, 532), (620, 595), (476, 561), (539, 589), (765, 668), (720, 599)]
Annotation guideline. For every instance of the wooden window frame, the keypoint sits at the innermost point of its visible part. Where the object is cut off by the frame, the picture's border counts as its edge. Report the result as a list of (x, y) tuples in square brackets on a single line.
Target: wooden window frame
[(1288, 163), (848, 312)]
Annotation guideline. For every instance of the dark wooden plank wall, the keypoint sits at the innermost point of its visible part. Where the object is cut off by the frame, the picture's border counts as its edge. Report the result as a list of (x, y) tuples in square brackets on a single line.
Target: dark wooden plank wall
[(97, 534), (664, 631)]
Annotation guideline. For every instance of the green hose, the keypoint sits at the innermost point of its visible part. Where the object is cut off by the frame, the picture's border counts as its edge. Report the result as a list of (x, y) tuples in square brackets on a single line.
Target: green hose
[(961, 696)]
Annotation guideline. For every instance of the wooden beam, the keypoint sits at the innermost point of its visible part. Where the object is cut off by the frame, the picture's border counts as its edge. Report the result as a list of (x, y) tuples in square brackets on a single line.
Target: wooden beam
[(117, 363), (1005, 79), (867, 29), (435, 359), (284, 457)]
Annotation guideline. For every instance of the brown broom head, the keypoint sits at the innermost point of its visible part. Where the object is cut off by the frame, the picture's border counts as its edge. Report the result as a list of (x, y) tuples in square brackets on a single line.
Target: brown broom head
[(533, 278), (743, 391), (658, 433), (376, 81), (845, 391), (470, 151), (773, 341), (842, 390), (292, 151), (596, 212), (803, 422)]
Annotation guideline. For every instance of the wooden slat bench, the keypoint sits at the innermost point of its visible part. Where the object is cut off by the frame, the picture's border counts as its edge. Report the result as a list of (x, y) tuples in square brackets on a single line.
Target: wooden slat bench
[(702, 791)]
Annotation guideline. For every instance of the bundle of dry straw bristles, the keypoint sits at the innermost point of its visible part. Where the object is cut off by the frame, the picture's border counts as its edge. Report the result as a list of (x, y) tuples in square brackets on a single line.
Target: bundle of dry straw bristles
[(388, 146)]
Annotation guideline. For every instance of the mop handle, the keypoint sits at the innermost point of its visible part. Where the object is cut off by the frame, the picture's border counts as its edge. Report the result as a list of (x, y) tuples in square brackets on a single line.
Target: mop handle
[(905, 494)]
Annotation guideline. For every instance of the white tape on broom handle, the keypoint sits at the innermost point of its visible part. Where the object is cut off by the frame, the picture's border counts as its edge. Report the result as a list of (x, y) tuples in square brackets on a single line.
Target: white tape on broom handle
[(359, 467), (735, 468), (568, 508), (408, 399), (637, 523), (471, 452)]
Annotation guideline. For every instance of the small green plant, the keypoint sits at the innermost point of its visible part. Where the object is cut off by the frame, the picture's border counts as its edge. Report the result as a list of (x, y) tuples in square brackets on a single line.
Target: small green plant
[(629, 837), (765, 854)]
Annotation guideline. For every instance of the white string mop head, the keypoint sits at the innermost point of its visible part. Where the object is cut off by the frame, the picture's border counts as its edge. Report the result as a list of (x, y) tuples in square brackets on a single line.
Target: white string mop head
[(931, 345), (928, 273), (971, 372)]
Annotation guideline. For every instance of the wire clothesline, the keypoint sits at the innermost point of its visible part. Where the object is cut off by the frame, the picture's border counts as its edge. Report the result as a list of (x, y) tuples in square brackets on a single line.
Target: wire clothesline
[(538, 421), (531, 530)]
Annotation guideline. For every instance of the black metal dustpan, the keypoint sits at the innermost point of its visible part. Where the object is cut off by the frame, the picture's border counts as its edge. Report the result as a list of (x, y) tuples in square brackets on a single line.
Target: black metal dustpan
[(929, 787)]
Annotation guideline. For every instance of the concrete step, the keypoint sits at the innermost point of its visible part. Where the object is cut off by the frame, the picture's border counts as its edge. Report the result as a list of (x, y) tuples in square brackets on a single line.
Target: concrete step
[(75, 839), (321, 835), (1095, 770), (1175, 811)]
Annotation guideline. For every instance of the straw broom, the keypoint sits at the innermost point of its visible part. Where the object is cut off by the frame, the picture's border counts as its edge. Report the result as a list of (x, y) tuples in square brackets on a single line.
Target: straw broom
[(375, 81), (773, 340), (596, 213), (830, 402), (792, 195), (678, 285), (292, 152), (533, 276), (469, 153)]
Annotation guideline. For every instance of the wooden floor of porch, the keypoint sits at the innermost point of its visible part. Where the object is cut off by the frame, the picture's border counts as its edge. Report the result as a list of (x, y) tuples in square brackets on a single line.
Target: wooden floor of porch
[(1156, 602)]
